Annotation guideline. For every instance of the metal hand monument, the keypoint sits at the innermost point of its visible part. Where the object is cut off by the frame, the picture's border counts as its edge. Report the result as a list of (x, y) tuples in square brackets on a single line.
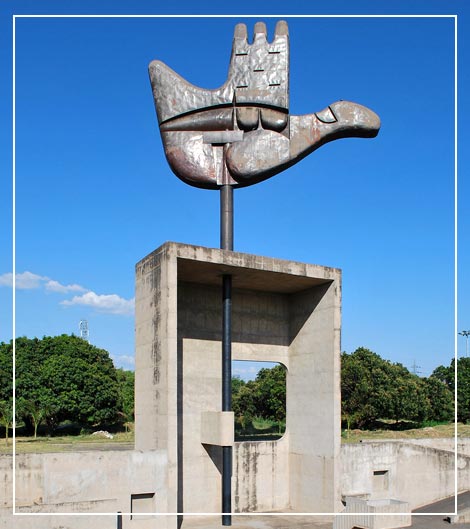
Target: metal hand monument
[(241, 134)]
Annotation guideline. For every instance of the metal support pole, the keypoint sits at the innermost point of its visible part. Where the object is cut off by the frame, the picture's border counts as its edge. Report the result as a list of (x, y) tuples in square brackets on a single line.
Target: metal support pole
[(226, 243), (227, 396), (226, 217), (465, 334)]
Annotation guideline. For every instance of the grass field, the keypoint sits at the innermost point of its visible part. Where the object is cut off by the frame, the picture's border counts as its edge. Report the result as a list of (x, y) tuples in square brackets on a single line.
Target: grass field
[(68, 443), (125, 440), (441, 430)]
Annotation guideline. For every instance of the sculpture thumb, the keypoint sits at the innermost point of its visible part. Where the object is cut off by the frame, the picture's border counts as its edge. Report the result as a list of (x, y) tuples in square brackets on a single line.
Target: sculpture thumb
[(264, 153)]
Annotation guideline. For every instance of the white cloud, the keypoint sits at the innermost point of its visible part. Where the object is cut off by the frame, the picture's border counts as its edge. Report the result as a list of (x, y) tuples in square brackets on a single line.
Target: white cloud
[(110, 303), (245, 371), (55, 286), (248, 369), (124, 361), (6, 280), (25, 281), (28, 280)]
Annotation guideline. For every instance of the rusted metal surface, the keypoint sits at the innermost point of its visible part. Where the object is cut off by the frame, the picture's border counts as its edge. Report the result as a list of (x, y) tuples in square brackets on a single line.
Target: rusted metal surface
[(242, 132)]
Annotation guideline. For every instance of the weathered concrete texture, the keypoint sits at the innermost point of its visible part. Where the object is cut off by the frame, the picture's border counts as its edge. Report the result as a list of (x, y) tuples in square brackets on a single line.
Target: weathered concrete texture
[(261, 471), (81, 482), (276, 521), (445, 443), (282, 311), (91, 482), (373, 514), (403, 471)]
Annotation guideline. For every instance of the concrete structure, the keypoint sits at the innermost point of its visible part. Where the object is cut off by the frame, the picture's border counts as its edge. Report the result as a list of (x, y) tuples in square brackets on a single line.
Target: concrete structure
[(284, 312), (111, 481), (81, 482), (413, 471), (373, 514)]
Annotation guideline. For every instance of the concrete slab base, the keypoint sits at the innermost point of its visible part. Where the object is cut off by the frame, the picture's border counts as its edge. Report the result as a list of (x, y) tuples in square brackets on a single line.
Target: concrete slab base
[(260, 522)]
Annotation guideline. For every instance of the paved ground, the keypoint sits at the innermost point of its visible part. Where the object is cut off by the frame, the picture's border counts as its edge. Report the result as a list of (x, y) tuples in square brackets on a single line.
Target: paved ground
[(437, 521), (258, 522), (422, 521)]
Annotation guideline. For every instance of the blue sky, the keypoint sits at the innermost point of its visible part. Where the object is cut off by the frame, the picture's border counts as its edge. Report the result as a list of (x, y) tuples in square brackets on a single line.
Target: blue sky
[(94, 193)]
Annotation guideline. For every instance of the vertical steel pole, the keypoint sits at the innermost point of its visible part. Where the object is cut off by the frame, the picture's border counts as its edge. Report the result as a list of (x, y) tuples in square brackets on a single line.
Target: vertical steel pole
[(226, 217), (227, 396), (226, 243)]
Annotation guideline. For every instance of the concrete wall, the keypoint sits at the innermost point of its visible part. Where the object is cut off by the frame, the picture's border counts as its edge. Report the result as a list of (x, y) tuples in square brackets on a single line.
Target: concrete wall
[(261, 471), (260, 322), (102, 482), (463, 444), (156, 367), (404, 471), (82, 482), (314, 400)]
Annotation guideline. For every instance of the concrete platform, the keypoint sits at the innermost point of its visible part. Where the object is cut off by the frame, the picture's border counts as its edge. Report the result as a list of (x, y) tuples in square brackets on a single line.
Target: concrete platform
[(259, 522), (430, 521)]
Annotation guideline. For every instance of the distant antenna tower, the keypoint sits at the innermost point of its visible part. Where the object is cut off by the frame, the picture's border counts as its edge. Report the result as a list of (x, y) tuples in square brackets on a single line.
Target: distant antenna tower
[(83, 325), (415, 369)]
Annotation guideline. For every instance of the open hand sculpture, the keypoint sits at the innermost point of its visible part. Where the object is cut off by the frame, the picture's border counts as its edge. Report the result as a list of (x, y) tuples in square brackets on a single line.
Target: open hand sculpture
[(242, 133)]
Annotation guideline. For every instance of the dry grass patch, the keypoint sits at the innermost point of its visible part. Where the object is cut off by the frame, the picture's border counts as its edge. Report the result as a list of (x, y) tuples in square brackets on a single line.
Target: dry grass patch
[(69, 443), (439, 431)]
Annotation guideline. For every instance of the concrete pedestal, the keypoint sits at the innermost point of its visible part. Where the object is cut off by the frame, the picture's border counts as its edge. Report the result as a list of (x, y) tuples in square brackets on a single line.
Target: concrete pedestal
[(283, 311)]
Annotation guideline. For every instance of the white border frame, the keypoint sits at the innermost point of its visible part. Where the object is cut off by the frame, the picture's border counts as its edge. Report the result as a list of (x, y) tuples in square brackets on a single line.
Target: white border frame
[(282, 16)]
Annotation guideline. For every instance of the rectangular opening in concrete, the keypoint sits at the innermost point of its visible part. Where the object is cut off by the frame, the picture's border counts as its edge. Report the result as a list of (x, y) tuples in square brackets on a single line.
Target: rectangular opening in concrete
[(380, 480), (258, 400), (142, 505)]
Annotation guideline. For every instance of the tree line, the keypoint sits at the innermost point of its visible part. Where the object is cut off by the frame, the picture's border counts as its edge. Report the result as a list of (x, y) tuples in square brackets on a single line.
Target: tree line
[(372, 390), (375, 389), (64, 378), (260, 404)]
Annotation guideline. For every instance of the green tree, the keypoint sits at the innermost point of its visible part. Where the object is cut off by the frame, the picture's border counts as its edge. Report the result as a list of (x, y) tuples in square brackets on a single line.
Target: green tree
[(408, 398), (362, 398), (373, 388), (34, 411), (126, 382), (237, 384), (6, 416), (270, 393), (440, 398), (6, 371), (264, 397), (446, 374), (243, 401), (66, 377)]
